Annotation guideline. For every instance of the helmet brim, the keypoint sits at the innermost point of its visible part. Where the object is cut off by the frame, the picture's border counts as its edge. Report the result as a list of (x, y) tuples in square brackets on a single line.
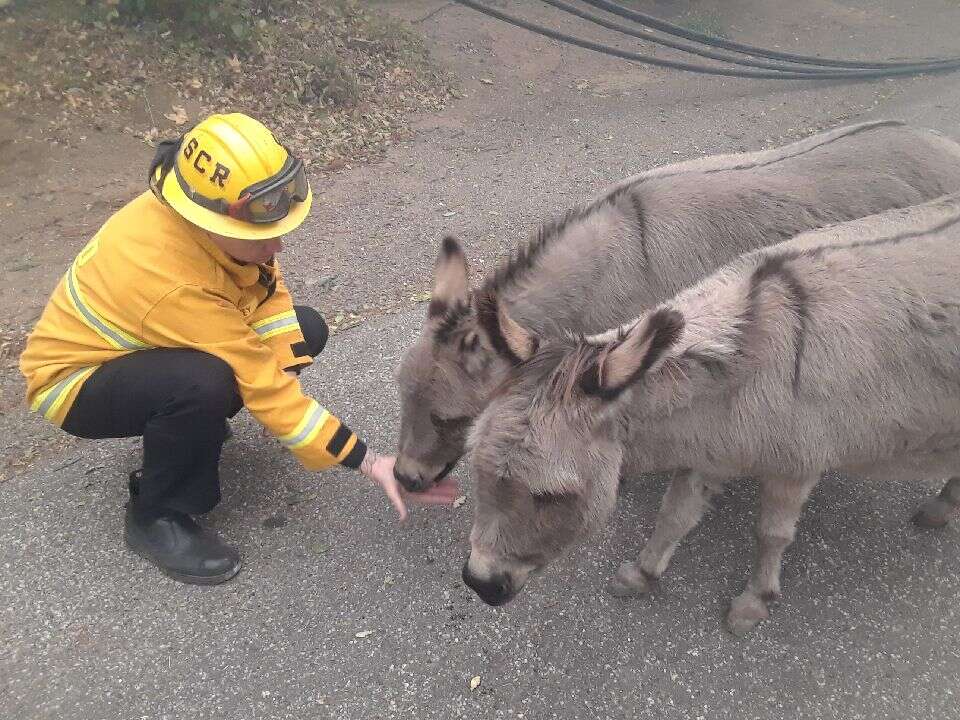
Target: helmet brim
[(226, 225)]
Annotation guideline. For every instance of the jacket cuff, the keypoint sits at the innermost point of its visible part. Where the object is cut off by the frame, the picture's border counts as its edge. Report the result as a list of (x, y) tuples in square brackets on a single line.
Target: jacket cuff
[(355, 456)]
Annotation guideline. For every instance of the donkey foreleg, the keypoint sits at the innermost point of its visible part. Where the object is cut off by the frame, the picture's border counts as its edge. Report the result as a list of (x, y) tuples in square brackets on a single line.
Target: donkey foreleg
[(682, 507), (781, 501)]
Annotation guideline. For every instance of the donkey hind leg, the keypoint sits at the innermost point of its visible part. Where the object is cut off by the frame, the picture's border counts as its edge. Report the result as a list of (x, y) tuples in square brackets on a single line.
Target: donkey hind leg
[(937, 511), (781, 501), (682, 507)]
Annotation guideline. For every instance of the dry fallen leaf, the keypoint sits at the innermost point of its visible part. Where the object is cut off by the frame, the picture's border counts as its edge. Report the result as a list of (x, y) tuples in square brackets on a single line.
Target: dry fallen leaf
[(364, 633), (178, 116), (475, 682), (150, 136), (459, 501)]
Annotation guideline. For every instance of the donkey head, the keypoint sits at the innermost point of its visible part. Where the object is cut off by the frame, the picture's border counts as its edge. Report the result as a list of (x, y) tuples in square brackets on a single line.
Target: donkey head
[(545, 454), (445, 378)]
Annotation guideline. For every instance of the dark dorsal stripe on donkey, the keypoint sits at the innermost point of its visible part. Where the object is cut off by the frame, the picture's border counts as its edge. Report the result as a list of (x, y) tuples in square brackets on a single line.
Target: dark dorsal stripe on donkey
[(634, 246), (839, 354)]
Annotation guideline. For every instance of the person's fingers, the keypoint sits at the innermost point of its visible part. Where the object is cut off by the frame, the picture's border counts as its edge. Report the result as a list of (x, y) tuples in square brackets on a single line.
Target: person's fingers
[(448, 484), (443, 493), (393, 492), (387, 462), (427, 498)]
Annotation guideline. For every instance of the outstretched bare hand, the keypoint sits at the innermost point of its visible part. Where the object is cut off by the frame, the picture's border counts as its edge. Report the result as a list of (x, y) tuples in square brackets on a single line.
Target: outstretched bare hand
[(379, 468)]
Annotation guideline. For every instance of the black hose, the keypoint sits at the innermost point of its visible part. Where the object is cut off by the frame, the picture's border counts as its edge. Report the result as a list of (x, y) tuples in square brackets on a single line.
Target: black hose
[(678, 31), (704, 69), (679, 45)]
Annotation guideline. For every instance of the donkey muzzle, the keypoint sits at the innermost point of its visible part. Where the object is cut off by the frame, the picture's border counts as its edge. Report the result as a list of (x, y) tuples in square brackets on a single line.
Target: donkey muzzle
[(419, 484), (495, 590)]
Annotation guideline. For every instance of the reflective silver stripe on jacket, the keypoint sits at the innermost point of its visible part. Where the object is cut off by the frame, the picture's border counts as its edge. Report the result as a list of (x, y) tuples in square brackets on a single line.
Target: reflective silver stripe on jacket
[(275, 327), (307, 429), (110, 334), (51, 396)]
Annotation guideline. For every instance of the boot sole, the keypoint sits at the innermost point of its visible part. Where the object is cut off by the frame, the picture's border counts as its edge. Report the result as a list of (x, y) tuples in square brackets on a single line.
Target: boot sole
[(184, 577)]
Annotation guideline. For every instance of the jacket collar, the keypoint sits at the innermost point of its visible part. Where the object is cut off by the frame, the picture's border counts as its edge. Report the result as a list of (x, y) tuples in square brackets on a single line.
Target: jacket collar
[(243, 274)]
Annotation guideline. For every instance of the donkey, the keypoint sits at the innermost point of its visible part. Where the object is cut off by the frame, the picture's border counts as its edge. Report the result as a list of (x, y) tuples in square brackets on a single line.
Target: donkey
[(637, 245), (838, 350)]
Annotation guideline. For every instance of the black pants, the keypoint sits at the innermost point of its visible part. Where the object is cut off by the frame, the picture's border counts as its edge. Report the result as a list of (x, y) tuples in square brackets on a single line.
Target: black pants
[(178, 401)]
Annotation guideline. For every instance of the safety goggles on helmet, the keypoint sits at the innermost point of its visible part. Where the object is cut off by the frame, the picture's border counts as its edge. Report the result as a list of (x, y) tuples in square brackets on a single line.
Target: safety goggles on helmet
[(264, 202)]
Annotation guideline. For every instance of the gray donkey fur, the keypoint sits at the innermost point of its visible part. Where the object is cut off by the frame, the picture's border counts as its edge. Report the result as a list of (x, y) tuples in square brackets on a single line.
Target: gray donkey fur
[(837, 350), (636, 245)]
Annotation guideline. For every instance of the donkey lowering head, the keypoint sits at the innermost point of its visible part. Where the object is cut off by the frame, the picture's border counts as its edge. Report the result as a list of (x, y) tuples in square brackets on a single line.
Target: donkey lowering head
[(546, 454), (633, 247), (444, 378), (757, 371)]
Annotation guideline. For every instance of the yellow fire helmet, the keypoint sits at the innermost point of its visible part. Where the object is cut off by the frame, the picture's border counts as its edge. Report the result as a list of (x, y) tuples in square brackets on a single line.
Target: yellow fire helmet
[(230, 176)]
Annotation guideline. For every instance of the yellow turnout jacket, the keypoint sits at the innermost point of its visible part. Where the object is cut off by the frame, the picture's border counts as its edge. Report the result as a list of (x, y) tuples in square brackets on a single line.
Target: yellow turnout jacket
[(150, 279)]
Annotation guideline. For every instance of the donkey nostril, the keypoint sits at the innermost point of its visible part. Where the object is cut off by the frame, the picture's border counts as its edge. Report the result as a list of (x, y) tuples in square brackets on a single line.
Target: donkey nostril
[(408, 483), (495, 591)]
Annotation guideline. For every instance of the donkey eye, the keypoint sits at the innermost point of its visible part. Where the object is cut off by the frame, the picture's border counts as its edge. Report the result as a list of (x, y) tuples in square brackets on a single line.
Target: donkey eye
[(546, 499), (450, 425)]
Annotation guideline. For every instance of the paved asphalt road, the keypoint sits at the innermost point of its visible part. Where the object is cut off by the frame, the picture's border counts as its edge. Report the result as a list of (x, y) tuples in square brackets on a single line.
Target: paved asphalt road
[(867, 629)]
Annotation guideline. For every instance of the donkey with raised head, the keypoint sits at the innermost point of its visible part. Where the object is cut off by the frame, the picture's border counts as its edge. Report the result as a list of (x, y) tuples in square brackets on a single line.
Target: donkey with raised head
[(633, 247), (837, 350)]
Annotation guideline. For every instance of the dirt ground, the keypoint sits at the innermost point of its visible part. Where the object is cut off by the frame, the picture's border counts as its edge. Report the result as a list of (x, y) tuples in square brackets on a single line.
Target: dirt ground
[(59, 183)]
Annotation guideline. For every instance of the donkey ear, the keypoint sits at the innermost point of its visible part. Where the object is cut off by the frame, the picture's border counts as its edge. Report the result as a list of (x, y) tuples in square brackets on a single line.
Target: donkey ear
[(626, 360), (451, 284), (506, 335)]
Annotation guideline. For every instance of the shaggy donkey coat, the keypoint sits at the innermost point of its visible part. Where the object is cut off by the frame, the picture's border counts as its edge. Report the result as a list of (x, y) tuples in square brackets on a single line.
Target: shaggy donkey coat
[(837, 350), (633, 247)]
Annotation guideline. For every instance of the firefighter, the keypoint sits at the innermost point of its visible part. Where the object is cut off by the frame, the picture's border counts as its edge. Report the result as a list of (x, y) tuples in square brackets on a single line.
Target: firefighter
[(173, 317)]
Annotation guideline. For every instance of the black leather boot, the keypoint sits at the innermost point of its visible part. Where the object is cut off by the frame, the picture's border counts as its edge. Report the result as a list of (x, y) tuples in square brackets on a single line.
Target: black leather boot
[(183, 550)]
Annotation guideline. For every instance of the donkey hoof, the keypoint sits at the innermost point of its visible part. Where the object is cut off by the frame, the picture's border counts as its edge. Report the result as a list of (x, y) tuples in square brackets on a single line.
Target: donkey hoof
[(933, 514), (631, 581), (746, 612)]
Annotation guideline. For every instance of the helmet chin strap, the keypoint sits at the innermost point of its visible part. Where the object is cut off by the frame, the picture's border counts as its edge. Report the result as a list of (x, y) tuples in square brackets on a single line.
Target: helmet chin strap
[(163, 158)]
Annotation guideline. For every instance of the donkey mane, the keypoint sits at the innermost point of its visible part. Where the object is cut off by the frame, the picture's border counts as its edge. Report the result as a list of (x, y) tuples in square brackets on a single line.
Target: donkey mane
[(525, 258)]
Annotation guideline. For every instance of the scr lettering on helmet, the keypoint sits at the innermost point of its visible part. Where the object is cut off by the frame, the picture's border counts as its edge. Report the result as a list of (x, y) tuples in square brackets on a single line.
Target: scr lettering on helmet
[(220, 174), (189, 148), (200, 156)]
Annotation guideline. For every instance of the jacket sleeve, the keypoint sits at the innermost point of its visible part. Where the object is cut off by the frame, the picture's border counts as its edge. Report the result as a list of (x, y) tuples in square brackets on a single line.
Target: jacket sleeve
[(275, 323), (194, 318)]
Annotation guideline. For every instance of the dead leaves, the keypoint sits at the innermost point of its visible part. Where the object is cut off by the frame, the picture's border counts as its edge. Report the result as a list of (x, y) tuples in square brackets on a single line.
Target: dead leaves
[(178, 117), (111, 69), (475, 682), (148, 136), (344, 321)]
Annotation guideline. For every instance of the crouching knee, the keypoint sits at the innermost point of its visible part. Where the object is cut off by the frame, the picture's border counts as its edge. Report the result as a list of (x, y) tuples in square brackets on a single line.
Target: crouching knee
[(213, 386)]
